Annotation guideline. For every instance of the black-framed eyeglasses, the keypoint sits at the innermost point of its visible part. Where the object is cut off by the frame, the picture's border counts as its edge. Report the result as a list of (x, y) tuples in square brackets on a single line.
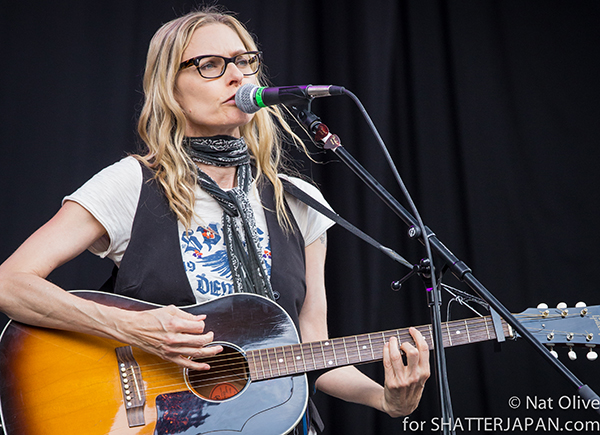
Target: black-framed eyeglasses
[(212, 66)]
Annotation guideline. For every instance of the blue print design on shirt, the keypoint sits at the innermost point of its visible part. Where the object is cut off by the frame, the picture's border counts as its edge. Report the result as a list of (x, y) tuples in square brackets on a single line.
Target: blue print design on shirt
[(201, 242), (209, 257)]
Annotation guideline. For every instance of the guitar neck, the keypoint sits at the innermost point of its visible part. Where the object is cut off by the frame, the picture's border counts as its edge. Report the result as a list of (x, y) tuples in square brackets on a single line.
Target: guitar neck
[(359, 349)]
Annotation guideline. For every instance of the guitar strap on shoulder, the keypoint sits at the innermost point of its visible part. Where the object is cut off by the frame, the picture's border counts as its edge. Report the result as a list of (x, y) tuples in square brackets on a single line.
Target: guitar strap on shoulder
[(301, 195)]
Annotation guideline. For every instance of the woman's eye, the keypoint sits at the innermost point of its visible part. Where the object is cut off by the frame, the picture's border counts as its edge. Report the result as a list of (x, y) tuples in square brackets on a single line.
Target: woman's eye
[(208, 66)]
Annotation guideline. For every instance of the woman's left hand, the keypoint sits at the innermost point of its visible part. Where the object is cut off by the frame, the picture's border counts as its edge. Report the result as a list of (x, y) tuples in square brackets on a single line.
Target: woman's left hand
[(404, 383)]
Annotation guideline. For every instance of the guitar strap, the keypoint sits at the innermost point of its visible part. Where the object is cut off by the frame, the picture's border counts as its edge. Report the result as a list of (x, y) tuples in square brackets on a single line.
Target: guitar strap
[(301, 195)]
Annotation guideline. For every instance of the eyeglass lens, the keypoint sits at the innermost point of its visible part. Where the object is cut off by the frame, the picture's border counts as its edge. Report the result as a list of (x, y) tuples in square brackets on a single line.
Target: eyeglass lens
[(214, 66)]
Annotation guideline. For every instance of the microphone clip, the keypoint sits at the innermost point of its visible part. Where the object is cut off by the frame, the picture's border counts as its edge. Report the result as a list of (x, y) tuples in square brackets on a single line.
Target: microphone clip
[(312, 123)]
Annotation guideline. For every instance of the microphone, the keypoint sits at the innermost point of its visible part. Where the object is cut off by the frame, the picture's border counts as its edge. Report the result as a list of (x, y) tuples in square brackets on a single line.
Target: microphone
[(251, 98)]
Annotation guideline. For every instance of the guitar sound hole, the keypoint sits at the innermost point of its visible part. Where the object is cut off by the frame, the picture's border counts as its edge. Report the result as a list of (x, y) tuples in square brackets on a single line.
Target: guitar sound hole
[(228, 375)]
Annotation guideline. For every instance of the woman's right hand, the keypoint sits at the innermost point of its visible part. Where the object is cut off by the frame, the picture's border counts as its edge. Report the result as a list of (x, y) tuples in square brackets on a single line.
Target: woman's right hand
[(170, 333)]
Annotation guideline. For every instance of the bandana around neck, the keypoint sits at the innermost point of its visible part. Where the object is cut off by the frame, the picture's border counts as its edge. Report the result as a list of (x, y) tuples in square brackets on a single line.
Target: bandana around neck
[(217, 150)]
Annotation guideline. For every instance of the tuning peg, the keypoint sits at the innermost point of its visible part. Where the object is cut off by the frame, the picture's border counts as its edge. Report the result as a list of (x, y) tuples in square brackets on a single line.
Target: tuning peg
[(561, 306), (552, 351), (543, 306), (572, 355), (580, 305), (592, 355)]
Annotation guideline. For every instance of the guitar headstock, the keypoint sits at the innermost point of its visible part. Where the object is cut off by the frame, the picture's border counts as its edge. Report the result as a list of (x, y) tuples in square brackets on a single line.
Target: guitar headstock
[(562, 326)]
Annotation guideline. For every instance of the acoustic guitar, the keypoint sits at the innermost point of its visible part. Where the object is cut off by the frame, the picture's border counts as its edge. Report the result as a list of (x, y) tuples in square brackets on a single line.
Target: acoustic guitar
[(55, 382)]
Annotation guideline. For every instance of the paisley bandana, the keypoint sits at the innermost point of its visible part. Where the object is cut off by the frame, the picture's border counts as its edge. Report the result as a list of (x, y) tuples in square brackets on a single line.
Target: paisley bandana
[(218, 150)]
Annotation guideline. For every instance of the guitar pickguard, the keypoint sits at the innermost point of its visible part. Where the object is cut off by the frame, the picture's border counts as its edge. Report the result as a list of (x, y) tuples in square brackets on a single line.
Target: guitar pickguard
[(184, 413)]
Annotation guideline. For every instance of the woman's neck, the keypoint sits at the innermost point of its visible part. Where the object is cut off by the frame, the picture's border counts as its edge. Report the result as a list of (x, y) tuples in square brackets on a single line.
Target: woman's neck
[(224, 176)]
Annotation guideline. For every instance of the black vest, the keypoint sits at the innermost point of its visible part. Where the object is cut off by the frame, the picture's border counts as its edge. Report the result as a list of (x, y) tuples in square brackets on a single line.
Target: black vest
[(152, 268)]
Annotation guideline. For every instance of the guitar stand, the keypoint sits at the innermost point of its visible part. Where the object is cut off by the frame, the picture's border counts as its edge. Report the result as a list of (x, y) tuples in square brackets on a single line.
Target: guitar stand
[(321, 136)]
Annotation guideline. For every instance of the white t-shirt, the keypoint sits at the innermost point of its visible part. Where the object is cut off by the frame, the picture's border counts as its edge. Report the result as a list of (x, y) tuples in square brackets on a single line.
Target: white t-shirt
[(111, 196)]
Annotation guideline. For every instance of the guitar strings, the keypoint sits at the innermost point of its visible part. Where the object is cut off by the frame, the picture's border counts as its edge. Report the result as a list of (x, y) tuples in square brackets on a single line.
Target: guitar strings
[(220, 376), (286, 360), (286, 350), (457, 326), (351, 355)]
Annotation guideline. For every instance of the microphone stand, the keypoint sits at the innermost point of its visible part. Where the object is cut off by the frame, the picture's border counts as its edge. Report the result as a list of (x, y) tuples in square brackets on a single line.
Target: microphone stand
[(321, 134), (332, 142)]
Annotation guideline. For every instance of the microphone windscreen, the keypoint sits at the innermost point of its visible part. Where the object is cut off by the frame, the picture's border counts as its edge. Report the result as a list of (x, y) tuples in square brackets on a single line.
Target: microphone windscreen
[(244, 98)]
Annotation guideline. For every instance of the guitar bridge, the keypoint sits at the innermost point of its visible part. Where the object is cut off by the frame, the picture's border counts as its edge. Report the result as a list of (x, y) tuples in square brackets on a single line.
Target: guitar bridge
[(132, 387)]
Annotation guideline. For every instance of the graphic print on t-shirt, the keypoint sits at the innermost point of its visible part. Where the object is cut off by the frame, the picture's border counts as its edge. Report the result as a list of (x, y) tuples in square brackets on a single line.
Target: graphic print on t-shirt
[(205, 259)]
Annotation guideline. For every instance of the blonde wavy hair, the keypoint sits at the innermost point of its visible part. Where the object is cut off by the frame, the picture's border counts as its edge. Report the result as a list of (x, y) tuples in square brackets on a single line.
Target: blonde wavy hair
[(162, 120)]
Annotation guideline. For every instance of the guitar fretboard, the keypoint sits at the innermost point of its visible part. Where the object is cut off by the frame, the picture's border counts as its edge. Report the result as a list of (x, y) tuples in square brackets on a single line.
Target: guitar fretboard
[(357, 349)]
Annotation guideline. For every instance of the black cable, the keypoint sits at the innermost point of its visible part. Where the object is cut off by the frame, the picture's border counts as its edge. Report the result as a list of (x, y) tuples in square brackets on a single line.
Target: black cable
[(440, 362)]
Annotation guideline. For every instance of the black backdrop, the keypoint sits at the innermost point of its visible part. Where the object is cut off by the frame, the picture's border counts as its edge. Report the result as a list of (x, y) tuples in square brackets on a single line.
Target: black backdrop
[(489, 109)]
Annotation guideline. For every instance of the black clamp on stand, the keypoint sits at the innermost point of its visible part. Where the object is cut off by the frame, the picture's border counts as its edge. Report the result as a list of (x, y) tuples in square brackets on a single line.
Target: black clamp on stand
[(423, 269), (321, 134)]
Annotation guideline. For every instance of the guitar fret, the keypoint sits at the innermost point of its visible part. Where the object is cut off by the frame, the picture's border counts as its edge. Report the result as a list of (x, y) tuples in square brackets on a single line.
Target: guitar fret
[(385, 340), (285, 358), (290, 358), (283, 361), (308, 348), (358, 348), (294, 360), (380, 349), (368, 348), (486, 328), (252, 365), (269, 361), (449, 335), (467, 329), (313, 357), (290, 364), (273, 361), (301, 357), (278, 362), (326, 361), (262, 364), (335, 358), (346, 351), (323, 357), (359, 355), (355, 353), (460, 337), (334, 350)]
